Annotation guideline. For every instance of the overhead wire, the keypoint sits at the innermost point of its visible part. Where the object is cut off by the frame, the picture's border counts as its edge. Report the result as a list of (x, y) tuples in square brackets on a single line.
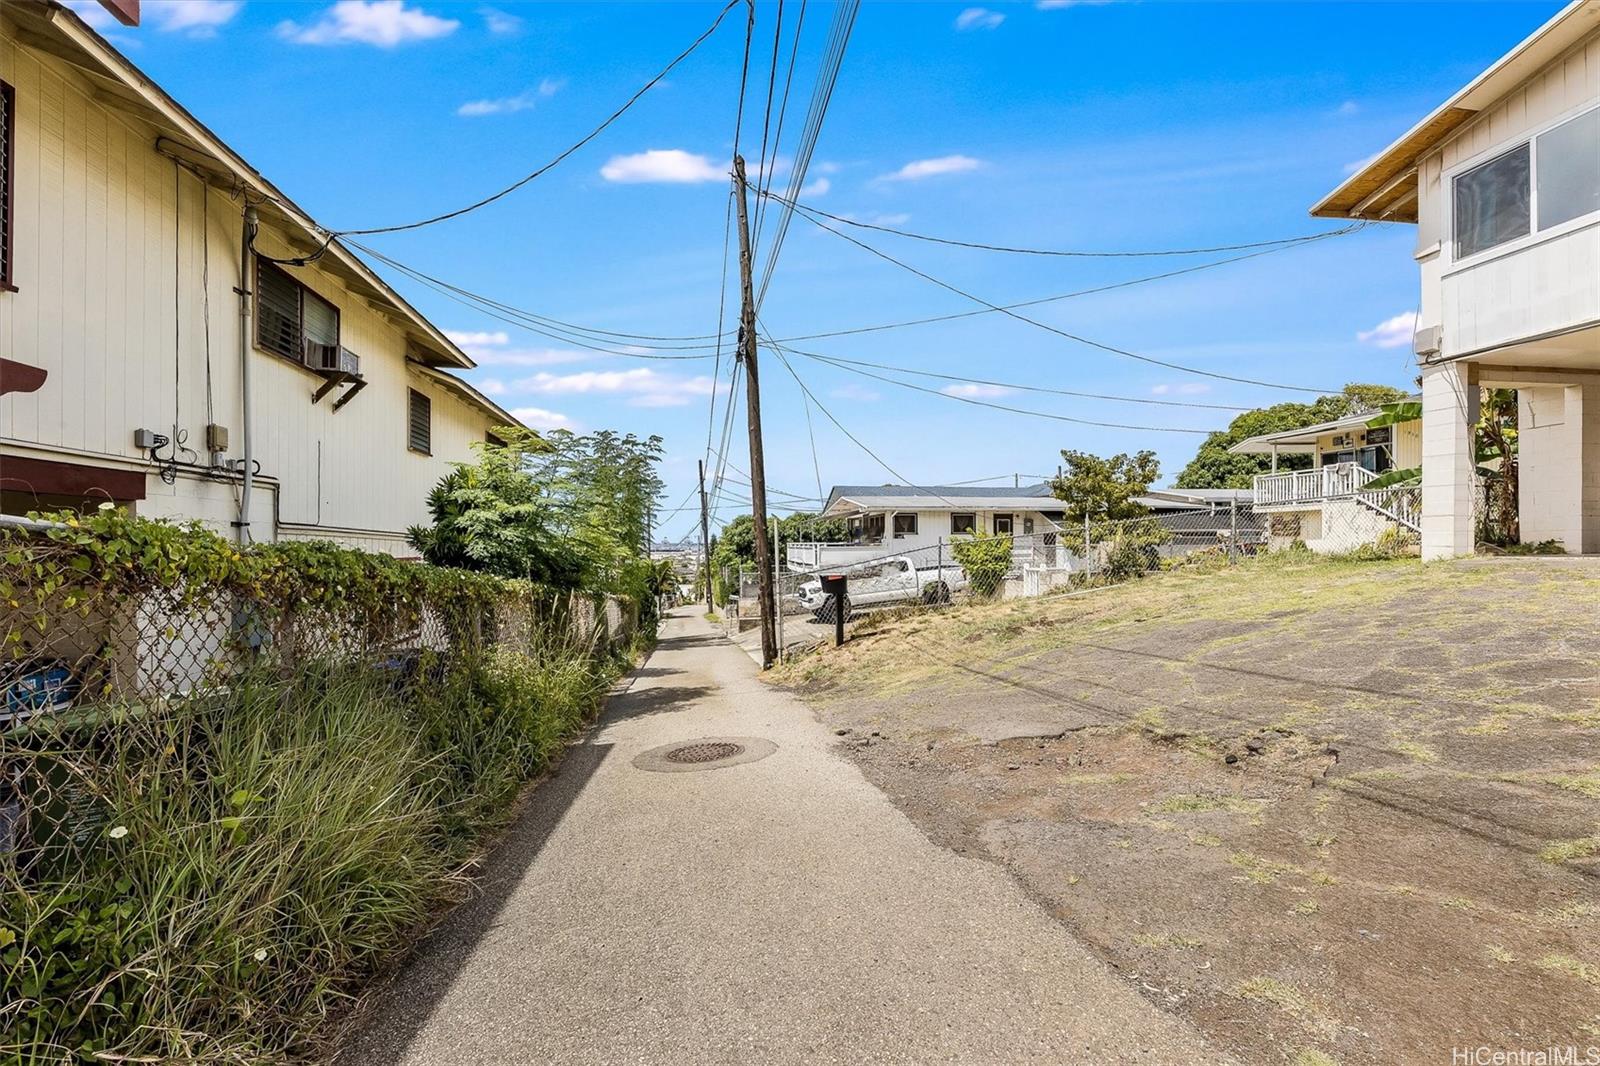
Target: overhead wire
[(821, 96), (565, 153), (1141, 254), (1037, 301), (1076, 338), (976, 402), (845, 364)]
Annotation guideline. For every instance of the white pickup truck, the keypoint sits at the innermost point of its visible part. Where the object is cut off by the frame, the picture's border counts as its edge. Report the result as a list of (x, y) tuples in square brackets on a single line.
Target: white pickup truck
[(883, 581)]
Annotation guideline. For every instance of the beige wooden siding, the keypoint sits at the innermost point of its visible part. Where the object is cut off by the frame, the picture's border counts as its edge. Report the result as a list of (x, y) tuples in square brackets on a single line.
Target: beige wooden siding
[(1544, 286), (1408, 445), (112, 242)]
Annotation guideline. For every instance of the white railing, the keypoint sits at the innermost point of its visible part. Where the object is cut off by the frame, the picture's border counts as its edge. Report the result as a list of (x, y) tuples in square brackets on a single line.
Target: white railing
[(1329, 482)]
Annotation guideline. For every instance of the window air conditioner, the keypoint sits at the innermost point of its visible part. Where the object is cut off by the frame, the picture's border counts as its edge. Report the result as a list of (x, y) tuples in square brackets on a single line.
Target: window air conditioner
[(331, 359)]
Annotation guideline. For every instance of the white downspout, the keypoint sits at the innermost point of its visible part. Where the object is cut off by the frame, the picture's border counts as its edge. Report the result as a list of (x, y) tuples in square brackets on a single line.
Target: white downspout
[(247, 482)]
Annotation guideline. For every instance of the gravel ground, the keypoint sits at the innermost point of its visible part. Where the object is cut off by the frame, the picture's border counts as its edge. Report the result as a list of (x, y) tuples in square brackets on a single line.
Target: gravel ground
[(1325, 812)]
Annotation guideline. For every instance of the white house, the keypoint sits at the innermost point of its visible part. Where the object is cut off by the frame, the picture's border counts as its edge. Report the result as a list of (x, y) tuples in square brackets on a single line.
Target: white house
[(919, 520), (177, 336), (1503, 184), (1329, 507), (900, 519)]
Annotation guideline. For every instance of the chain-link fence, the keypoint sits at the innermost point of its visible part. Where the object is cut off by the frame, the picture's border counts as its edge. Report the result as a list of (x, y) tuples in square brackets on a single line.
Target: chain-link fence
[(977, 569), (81, 627)]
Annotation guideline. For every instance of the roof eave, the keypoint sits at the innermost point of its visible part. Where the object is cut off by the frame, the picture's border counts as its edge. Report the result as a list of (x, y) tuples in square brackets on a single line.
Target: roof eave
[(1384, 188), (84, 37)]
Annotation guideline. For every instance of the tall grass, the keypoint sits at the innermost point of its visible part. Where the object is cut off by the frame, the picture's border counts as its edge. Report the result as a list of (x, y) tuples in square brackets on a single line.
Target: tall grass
[(210, 879)]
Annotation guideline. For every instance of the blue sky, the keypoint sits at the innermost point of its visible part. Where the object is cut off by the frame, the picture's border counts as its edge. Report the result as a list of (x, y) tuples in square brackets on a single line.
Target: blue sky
[(1119, 126)]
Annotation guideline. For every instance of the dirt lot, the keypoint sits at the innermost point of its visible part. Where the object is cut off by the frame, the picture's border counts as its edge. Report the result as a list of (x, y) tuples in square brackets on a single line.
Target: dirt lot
[(1331, 812)]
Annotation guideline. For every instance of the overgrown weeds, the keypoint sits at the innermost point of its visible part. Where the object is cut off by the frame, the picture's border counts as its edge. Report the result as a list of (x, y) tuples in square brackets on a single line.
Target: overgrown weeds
[(210, 878)]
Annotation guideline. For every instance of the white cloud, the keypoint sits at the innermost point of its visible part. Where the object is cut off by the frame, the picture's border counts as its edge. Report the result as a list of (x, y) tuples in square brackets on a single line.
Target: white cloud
[(492, 348), (1056, 5), (1393, 332), (974, 391), (539, 418), (500, 22), (644, 386), (819, 187), (927, 168), (672, 165), (1348, 108), (1186, 388), (506, 105), (383, 23), (197, 18), (492, 387), (478, 337), (978, 18), (852, 391)]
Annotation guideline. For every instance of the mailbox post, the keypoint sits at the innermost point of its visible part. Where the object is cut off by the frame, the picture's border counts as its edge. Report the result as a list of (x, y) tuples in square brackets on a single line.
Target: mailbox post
[(834, 585)]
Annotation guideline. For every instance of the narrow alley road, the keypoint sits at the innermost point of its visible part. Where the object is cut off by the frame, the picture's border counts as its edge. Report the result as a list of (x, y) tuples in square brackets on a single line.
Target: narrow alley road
[(779, 910)]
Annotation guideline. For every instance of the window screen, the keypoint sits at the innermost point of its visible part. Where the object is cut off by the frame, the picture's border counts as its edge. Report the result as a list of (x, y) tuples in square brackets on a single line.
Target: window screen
[(419, 423), (905, 525), (963, 523), (288, 314), (8, 132), (1491, 202), (1569, 170), (320, 319)]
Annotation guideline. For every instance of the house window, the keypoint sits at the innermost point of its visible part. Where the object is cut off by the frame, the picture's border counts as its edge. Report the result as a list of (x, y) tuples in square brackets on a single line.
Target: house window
[(905, 525), (874, 527), (1568, 175), (8, 134), (1492, 202), (290, 317), (419, 422), (964, 523)]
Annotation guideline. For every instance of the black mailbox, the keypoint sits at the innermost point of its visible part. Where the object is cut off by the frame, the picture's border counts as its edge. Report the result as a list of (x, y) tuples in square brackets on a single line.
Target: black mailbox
[(835, 586)]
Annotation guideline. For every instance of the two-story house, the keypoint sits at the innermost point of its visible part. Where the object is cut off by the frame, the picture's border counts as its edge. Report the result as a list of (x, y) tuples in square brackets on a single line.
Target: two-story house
[(1503, 184), (178, 337)]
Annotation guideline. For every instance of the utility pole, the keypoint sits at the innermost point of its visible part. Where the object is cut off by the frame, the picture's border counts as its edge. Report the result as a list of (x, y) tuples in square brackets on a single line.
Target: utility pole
[(705, 536), (758, 466)]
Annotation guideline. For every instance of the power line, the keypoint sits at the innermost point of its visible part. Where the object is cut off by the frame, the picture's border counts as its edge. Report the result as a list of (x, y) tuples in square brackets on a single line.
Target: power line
[(1052, 329), (841, 426), (1052, 299), (591, 135), (1021, 410), (821, 96), (845, 364), (981, 246)]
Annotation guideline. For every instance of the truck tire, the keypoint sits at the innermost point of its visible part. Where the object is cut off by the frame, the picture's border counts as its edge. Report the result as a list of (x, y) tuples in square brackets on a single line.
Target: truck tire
[(824, 614), (935, 592)]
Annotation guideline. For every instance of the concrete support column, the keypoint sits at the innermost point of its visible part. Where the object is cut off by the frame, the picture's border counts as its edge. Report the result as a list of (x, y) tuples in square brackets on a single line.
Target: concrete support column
[(1558, 470), (1449, 413)]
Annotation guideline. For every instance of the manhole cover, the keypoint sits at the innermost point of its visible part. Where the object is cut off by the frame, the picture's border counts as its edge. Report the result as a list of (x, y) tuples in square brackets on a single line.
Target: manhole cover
[(708, 751), (704, 753)]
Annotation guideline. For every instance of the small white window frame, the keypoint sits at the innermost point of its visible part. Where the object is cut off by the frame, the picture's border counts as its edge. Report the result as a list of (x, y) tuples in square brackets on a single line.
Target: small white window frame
[(1534, 236)]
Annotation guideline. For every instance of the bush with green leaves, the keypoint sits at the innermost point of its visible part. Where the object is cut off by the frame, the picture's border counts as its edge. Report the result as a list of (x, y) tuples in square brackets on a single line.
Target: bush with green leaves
[(986, 559), (208, 872)]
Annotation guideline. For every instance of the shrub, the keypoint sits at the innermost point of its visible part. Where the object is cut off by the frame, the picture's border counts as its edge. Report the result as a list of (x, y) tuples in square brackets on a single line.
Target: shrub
[(207, 870), (986, 558)]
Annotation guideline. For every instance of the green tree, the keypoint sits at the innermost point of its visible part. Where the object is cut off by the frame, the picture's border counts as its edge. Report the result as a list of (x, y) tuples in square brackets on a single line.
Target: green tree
[(1213, 467), (735, 548), (564, 510), (1104, 489)]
